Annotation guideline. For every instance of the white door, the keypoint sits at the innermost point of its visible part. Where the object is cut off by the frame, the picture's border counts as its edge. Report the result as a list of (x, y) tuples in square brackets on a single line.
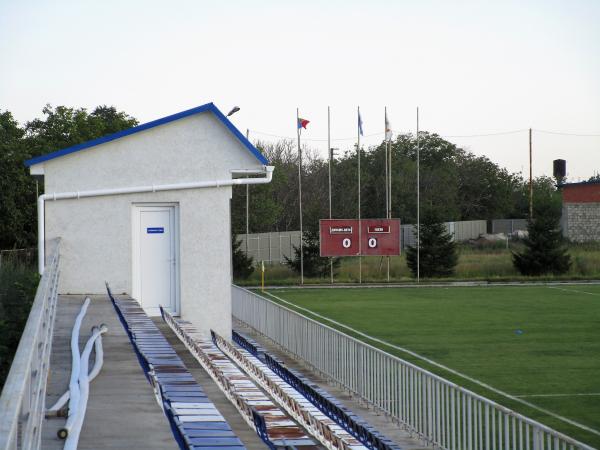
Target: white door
[(155, 257)]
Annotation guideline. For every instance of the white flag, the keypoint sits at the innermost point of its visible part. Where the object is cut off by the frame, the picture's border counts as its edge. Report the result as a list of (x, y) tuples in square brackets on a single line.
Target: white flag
[(388, 129)]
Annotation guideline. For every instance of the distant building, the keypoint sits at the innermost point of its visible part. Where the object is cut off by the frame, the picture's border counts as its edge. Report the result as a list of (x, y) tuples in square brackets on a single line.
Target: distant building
[(581, 211), (148, 210)]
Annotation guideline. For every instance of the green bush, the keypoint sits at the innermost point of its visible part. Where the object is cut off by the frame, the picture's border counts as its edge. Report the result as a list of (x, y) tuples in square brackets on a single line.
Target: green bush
[(18, 284)]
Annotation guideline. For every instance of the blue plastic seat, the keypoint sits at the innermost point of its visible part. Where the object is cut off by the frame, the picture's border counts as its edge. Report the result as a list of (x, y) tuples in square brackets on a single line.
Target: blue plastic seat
[(195, 421)]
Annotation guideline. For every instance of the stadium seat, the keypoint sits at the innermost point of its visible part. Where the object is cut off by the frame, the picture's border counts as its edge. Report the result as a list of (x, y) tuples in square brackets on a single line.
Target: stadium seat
[(194, 419), (326, 403)]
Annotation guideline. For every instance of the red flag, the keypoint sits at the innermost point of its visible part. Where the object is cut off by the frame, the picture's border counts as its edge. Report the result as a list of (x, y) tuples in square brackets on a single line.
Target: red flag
[(302, 123)]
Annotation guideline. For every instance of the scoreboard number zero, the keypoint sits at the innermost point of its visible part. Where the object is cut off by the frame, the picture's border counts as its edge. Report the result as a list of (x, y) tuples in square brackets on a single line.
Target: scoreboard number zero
[(346, 243)]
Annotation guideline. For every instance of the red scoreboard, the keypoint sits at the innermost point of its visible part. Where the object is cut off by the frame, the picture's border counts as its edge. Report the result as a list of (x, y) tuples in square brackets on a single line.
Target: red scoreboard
[(340, 237)]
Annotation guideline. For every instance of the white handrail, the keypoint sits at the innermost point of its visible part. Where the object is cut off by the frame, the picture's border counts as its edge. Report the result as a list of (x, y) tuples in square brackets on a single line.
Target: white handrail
[(22, 403), (439, 411)]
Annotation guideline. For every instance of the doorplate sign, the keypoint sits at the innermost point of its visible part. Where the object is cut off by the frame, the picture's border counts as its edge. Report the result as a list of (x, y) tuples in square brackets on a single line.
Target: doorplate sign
[(155, 230)]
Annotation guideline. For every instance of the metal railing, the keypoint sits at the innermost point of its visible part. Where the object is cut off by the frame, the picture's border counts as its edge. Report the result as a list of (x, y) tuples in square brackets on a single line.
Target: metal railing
[(21, 256), (23, 400), (440, 412)]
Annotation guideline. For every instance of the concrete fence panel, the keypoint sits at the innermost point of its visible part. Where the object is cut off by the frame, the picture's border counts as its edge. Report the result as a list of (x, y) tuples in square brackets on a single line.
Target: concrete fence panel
[(274, 247)]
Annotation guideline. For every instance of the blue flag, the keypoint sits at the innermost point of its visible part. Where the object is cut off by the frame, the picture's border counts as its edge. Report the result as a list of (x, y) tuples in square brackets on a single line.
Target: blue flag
[(360, 123)]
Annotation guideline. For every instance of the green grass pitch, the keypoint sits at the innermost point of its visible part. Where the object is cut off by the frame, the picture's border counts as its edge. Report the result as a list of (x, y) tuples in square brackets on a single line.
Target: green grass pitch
[(538, 342)]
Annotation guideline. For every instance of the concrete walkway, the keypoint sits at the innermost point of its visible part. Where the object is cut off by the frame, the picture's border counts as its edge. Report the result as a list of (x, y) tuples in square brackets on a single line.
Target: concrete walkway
[(122, 411)]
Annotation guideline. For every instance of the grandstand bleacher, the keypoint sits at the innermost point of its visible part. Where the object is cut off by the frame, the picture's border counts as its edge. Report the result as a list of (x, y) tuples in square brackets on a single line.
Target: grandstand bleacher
[(194, 420), (272, 424)]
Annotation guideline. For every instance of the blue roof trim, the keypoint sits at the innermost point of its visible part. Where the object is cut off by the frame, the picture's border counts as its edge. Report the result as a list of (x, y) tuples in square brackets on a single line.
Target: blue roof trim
[(209, 107)]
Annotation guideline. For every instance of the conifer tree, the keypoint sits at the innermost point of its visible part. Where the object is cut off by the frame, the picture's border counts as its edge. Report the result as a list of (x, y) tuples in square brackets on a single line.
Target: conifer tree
[(315, 265), (242, 263), (545, 251), (438, 257)]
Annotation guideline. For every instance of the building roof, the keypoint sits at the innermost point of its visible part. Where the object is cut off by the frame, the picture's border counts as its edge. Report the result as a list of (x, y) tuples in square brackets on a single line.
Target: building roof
[(209, 107), (583, 192), (579, 183)]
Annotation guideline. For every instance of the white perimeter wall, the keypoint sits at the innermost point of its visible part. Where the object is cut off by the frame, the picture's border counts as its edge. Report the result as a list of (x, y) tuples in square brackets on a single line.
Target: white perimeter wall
[(96, 232)]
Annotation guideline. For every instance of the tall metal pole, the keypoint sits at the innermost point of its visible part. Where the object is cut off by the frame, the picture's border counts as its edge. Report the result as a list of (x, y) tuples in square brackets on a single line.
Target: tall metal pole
[(388, 177), (418, 205), (390, 190), (530, 179), (359, 215), (387, 198), (330, 162), (247, 204), (300, 199), (390, 171)]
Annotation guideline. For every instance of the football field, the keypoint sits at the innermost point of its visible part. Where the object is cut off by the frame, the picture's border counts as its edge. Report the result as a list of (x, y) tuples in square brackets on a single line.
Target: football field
[(536, 345)]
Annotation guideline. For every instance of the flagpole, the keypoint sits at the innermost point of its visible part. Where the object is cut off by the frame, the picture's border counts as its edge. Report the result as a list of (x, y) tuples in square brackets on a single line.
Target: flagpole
[(390, 171), (330, 161), (387, 198), (388, 181), (390, 189), (418, 205), (247, 204), (359, 215), (300, 199)]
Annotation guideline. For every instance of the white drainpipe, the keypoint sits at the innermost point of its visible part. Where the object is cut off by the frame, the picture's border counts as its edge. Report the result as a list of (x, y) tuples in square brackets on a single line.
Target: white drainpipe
[(267, 170)]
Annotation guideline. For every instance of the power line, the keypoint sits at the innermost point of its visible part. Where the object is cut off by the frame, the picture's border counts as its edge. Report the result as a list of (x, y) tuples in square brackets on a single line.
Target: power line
[(315, 139), (566, 134), (500, 133)]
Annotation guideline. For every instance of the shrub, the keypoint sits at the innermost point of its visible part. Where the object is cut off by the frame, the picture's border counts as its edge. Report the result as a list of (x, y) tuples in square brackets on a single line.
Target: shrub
[(17, 291)]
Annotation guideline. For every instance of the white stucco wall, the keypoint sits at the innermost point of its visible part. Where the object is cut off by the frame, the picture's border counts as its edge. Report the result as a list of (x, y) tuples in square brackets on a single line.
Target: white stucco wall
[(96, 232), (195, 148)]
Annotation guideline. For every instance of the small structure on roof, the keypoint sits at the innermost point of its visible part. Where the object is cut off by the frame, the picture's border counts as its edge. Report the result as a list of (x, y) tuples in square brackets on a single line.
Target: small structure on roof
[(148, 210), (581, 211)]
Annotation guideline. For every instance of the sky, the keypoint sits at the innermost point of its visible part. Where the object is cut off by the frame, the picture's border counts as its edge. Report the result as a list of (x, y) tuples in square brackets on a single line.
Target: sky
[(471, 67)]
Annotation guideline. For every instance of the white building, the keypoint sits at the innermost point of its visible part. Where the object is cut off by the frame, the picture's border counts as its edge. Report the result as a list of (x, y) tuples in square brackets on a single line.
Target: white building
[(148, 210)]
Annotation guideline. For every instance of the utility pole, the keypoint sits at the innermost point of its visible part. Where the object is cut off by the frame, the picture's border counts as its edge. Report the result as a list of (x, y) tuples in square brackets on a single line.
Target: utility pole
[(530, 179)]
